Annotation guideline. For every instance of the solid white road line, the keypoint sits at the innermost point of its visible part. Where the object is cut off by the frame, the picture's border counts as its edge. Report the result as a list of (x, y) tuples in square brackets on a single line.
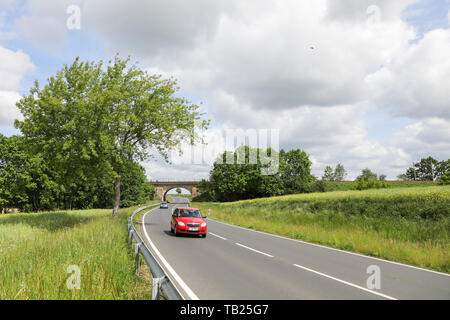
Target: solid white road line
[(169, 269), (345, 282), (241, 245), (334, 249), (215, 235)]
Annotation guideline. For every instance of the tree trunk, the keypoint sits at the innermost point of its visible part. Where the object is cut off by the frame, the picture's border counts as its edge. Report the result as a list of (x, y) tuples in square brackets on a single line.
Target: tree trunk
[(432, 170), (116, 196)]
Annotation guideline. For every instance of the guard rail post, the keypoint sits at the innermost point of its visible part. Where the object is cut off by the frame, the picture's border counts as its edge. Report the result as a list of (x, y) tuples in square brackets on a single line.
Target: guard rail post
[(137, 258)]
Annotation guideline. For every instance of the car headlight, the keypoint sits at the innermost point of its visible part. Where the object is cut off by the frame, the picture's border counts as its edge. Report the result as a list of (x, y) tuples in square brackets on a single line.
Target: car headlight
[(181, 224), (203, 224)]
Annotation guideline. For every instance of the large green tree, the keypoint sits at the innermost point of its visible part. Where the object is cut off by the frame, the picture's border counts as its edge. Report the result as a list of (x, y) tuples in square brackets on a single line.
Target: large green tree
[(428, 169), (254, 173), (367, 174), (243, 178), (295, 171), (339, 172), (135, 189), (91, 118), (328, 174)]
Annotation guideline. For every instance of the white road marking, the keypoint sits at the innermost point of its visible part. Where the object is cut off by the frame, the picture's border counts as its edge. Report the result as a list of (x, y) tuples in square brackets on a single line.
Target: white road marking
[(241, 245), (334, 249), (345, 282), (170, 270), (215, 235)]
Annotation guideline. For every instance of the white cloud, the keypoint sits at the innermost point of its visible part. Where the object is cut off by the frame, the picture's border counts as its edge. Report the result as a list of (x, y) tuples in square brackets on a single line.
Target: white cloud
[(425, 138), (357, 10), (416, 83), (13, 67), (154, 27), (256, 69), (264, 57), (8, 109), (258, 51)]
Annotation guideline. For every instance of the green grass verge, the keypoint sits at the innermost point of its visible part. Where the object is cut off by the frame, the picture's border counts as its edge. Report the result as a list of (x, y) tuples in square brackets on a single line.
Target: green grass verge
[(409, 225), (36, 250)]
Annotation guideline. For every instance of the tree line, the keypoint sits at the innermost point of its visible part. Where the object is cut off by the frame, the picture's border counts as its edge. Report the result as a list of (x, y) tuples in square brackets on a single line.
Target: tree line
[(84, 132), (427, 169), (244, 179), (29, 183)]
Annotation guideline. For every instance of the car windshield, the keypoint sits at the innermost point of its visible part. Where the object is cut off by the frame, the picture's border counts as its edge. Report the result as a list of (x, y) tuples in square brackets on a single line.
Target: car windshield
[(190, 213)]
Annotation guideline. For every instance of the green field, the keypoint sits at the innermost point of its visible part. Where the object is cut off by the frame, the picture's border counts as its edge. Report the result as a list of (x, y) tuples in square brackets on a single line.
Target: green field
[(409, 225), (346, 185), (185, 196), (36, 250)]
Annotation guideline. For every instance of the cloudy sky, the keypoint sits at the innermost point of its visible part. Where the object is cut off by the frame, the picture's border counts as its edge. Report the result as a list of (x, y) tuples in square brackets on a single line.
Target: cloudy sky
[(361, 82)]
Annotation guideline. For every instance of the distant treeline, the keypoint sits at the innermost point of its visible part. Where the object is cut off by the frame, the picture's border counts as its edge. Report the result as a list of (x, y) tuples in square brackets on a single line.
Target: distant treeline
[(248, 177), (352, 185), (29, 183)]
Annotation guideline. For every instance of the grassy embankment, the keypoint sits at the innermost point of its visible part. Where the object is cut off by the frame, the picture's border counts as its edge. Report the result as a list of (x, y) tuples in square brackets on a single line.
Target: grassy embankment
[(409, 225), (346, 185), (36, 250)]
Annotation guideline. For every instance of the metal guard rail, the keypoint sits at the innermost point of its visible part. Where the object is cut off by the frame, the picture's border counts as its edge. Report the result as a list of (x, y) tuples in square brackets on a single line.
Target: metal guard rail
[(161, 281)]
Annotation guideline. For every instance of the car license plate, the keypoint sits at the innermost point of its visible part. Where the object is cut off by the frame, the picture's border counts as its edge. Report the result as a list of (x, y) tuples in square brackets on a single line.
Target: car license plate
[(193, 229)]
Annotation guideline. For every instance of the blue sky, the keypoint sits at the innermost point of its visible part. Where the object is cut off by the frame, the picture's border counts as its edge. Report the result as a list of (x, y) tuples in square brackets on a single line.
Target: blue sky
[(230, 95), (427, 15)]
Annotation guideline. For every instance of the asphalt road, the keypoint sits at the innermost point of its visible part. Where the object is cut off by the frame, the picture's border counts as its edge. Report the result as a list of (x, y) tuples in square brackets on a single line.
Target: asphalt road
[(234, 263)]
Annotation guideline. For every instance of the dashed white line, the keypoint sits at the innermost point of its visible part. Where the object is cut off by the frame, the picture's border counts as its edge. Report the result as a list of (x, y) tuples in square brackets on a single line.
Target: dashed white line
[(345, 282), (215, 235), (241, 245), (333, 249)]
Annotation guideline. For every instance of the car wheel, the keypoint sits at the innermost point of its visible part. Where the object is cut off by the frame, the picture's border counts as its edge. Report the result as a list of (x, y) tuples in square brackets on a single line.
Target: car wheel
[(203, 235), (171, 229), (175, 232)]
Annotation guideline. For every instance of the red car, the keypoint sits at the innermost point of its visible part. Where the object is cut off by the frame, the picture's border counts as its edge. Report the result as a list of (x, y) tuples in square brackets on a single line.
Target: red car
[(188, 221)]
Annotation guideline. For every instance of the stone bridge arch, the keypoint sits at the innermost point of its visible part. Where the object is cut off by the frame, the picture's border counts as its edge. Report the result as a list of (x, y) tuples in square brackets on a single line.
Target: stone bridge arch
[(161, 188)]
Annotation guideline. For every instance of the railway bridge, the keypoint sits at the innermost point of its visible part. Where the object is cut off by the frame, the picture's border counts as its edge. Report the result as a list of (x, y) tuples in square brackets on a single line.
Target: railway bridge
[(162, 187)]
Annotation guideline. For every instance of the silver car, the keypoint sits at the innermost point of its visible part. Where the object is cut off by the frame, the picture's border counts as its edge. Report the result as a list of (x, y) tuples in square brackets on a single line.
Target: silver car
[(164, 205)]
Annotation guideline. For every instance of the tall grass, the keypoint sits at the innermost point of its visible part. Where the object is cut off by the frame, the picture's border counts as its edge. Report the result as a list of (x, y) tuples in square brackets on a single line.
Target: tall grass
[(36, 250), (410, 225)]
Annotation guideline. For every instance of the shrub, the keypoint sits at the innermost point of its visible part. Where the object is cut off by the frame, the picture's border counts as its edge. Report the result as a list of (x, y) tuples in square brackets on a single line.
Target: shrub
[(364, 184), (318, 186), (445, 179)]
